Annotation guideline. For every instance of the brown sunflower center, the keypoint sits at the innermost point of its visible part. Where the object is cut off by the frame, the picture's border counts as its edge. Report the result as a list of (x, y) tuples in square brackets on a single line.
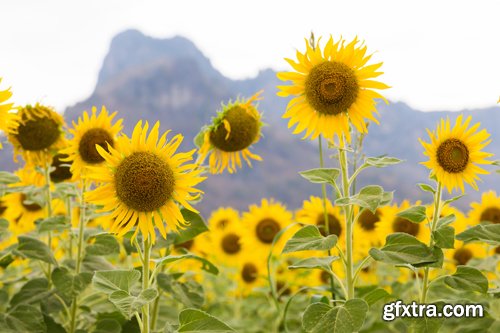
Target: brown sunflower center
[(186, 245), (249, 273), (91, 138), (267, 229), (2, 207), (31, 207), (491, 214), (244, 131), (334, 226), (497, 250), (325, 277), (453, 156), (62, 170), (38, 133), (222, 223), (331, 87), (231, 244), (144, 182), (368, 220), (403, 225), (462, 256)]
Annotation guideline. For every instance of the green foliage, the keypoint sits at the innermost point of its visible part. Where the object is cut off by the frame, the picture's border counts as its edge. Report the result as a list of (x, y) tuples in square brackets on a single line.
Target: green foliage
[(370, 197), (103, 245), (55, 223), (196, 225), (189, 293), (206, 265), (444, 236), (7, 178), (346, 318), (323, 263), (23, 318), (35, 249), (487, 233), (468, 279), (415, 214), (321, 175), (309, 238), (382, 161), (69, 285), (194, 320)]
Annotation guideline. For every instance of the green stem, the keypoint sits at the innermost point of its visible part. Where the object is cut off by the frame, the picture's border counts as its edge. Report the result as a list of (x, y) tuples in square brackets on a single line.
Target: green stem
[(344, 168), (325, 211), (145, 283), (435, 218), (48, 198)]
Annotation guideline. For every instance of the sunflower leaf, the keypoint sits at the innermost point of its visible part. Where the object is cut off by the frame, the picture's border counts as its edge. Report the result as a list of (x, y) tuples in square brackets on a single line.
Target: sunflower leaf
[(55, 223), (196, 225), (321, 175), (444, 237), (128, 304), (370, 197), (449, 201), (426, 188), (207, 265), (110, 281), (444, 221), (309, 238), (7, 178), (69, 285), (35, 249), (401, 248), (322, 318), (487, 233), (382, 161), (194, 320), (189, 293), (415, 214), (468, 279), (104, 244), (323, 263), (23, 318)]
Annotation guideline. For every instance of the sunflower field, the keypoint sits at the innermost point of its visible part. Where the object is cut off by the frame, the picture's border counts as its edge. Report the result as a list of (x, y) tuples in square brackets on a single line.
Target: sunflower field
[(99, 230)]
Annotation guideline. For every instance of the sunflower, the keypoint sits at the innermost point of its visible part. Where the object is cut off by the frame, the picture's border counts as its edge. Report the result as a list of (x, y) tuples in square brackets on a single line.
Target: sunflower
[(365, 228), (36, 133), (263, 223), (463, 253), (4, 109), (250, 274), (391, 223), (487, 211), (223, 217), (91, 130), (61, 171), (231, 134), (460, 223), (142, 183), (226, 245), (331, 88), (454, 153)]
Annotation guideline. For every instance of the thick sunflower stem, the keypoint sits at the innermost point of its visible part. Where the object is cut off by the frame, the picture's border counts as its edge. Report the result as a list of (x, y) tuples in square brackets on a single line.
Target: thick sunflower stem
[(48, 199), (325, 211), (79, 253), (435, 218), (344, 168), (145, 283)]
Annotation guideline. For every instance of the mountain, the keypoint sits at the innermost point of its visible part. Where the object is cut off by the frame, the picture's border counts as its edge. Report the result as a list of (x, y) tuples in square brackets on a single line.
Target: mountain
[(172, 81)]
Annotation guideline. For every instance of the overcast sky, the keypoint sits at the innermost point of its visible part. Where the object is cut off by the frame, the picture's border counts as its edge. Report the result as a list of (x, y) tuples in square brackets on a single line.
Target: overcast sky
[(438, 55)]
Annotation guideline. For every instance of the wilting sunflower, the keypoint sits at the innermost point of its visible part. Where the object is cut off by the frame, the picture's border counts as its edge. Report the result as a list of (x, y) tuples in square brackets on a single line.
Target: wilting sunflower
[(143, 182), (331, 87), (263, 223), (231, 134), (391, 223), (223, 217), (91, 130), (486, 211), (36, 133), (4, 108), (454, 153)]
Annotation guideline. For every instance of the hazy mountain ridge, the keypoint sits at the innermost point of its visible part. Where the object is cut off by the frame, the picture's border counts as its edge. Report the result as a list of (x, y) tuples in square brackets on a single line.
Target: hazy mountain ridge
[(172, 81)]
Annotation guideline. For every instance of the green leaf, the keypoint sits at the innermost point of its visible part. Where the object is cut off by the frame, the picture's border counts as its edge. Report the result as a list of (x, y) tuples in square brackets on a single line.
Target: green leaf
[(7, 178), (369, 197), (111, 281), (382, 161), (34, 249), (321, 318), (309, 238), (425, 324), (108, 326), (55, 223), (193, 320), (445, 220), (23, 318), (4, 226), (468, 279), (321, 175), (52, 326), (426, 188), (415, 214), (104, 245), (195, 226), (69, 285), (449, 201), (323, 263), (199, 139), (488, 233), (95, 263), (129, 304), (375, 295), (189, 293), (32, 292), (444, 237), (402, 248), (206, 265)]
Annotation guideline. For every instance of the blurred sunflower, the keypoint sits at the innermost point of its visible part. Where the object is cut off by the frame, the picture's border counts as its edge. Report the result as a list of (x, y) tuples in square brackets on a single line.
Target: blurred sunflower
[(463, 253), (230, 135), (226, 245), (263, 223), (331, 88), (365, 228), (460, 223), (488, 210), (91, 130), (391, 223), (250, 274), (223, 217), (454, 153), (142, 183), (36, 133), (312, 212), (61, 169), (4, 108)]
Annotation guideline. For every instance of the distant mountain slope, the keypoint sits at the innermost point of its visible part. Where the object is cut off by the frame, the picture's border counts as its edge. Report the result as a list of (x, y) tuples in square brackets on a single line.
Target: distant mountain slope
[(172, 81)]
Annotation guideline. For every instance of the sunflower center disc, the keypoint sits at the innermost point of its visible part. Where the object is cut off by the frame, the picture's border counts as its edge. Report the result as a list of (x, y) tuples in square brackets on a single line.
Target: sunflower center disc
[(491, 214), (244, 131), (368, 220), (31, 207), (497, 250), (91, 138), (333, 225), (462, 256), (62, 170), (325, 277), (231, 244), (144, 182), (186, 245), (2, 207), (331, 87), (453, 156), (267, 229), (38, 134), (249, 273), (403, 225)]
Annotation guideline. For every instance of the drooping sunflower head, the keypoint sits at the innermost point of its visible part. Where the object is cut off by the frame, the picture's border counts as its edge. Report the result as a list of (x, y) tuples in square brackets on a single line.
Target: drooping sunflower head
[(229, 137), (486, 211), (142, 183), (4, 108), (455, 153), (36, 133), (331, 88), (91, 130)]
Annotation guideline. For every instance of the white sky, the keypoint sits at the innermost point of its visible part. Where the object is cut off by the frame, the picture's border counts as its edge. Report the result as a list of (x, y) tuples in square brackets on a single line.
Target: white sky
[(438, 55)]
